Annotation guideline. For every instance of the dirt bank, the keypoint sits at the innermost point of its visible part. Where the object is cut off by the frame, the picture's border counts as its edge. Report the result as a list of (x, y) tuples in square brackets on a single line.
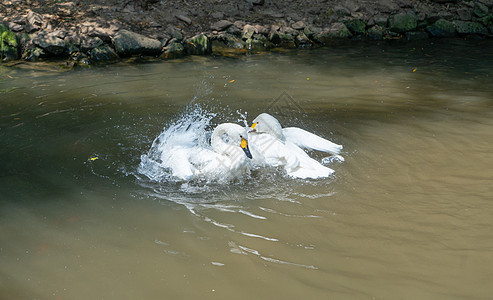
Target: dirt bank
[(94, 31)]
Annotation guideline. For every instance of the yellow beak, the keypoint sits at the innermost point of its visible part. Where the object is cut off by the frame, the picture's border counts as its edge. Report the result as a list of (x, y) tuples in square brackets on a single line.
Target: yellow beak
[(244, 146), (253, 127)]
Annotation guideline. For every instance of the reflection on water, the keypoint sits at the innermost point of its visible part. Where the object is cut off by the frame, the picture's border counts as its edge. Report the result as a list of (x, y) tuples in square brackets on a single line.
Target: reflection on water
[(406, 215)]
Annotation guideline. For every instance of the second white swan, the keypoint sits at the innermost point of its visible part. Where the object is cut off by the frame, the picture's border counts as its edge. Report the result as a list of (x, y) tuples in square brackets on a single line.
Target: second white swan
[(275, 146)]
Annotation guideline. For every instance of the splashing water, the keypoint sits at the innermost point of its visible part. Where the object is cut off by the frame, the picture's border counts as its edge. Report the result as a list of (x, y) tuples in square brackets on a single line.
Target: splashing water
[(191, 130)]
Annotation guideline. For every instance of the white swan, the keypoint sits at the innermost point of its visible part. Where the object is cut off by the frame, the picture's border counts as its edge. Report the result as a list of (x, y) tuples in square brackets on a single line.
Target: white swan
[(275, 146), (224, 159)]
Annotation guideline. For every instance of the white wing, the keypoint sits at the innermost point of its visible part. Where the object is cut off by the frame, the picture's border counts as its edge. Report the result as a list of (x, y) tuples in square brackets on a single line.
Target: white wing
[(308, 140), (307, 166)]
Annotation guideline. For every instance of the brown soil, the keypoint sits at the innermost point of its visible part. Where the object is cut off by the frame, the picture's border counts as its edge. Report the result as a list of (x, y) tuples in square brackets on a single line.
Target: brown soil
[(152, 17)]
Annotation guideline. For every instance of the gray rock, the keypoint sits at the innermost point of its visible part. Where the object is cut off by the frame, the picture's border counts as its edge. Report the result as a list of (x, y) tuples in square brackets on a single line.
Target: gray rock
[(381, 20), (50, 43), (15, 27), (35, 20), (175, 32), (488, 3), (89, 43), (464, 27), (403, 22), (289, 31), (234, 31), (184, 19), (261, 29), (300, 25), (128, 43), (102, 54), (341, 11), (103, 33), (248, 31), (217, 15), (221, 25), (386, 6), (239, 24), (464, 14), (198, 45)]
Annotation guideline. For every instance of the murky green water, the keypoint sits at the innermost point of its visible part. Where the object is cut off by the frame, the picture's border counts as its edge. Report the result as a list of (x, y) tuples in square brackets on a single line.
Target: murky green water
[(408, 215)]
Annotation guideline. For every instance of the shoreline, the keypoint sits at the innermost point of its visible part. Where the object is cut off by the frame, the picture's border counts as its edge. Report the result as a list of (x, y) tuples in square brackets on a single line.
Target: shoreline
[(84, 34)]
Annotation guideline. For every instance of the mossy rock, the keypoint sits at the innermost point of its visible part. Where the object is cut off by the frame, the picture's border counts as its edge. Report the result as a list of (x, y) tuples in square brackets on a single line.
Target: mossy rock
[(441, 28), (403, 22), (198, 45), (302, 41), (376, 32), (487, 21), (227, 40), (34, 54), (480, 9), (356, 26), (102, 54), (286, 41), (338, 31), (464, 27), (173, 50), (311, 30), (9, 46), (78, 59), (258, 42)]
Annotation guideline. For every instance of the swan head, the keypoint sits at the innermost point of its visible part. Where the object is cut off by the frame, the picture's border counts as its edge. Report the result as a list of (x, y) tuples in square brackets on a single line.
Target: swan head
[(265, 123), (244, 147), (227, 137)]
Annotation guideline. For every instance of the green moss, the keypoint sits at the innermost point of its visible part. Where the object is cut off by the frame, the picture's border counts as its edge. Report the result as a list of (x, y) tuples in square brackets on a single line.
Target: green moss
[(198, 45), (9, 45), (469, 27), (403, 22), (356, 26)]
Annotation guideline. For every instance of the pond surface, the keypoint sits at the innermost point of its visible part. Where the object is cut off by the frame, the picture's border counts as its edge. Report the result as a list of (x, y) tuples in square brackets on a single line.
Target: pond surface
[(407, 215)]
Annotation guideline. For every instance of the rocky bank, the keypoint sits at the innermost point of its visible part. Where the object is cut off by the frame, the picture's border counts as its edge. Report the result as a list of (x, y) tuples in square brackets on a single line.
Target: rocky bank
[(84, 32)]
